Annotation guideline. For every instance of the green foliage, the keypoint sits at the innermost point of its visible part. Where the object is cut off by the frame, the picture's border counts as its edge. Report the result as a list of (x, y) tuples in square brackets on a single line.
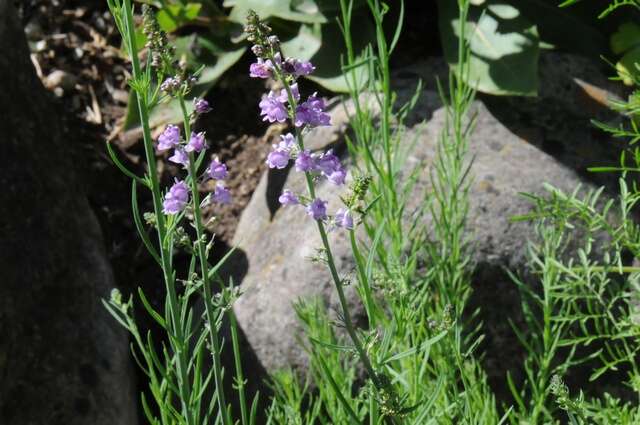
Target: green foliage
[(506, 37), (306, 11), (611, 6), (309, 31), (584, 311), (173, 16), (417, 340), (626, 43), (504, 47), (417, 360), (184, 367)]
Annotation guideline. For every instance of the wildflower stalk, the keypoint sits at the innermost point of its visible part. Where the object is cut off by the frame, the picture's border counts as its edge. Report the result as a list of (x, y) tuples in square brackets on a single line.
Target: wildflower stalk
[(154, 183), (349, 326), (204, 269), (302, 115), (327, 247)]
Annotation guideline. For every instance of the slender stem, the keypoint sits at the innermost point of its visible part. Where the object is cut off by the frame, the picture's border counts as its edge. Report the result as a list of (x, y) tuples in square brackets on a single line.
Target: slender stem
[(385, 124), (327, 247), (238, 364), (362, 354), (165, 252), (204, 266)]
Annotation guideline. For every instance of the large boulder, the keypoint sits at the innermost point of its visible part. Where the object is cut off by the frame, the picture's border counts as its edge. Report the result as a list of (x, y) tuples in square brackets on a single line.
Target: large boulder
[(278, 242), (63, 360)]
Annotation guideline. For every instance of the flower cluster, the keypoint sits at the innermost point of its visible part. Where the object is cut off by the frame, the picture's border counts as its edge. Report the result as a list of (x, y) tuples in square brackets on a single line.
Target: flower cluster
[(178, 84), (264, 68), (178, 196), (280, 106), (276, 107), (326, 164)]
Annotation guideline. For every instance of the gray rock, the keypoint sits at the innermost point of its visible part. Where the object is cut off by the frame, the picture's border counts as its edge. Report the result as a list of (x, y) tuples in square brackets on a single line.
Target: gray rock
[(278, 242), (63, 359)]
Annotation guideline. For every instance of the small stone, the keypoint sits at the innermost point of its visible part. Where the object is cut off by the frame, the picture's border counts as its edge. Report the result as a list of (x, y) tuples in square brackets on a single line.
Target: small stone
[(60, 79)]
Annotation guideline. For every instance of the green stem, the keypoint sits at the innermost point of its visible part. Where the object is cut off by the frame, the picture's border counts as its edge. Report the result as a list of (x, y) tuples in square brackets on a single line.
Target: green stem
[(165, 252), (238, 364), (362, 354), (385, 123), (364, 358), (204, 266)]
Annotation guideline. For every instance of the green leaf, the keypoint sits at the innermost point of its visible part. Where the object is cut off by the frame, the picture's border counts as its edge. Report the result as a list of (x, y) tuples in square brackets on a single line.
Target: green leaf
[(306, 11), (305, 44), (173, 16), (625, 38), (324, 47), (504, 47)]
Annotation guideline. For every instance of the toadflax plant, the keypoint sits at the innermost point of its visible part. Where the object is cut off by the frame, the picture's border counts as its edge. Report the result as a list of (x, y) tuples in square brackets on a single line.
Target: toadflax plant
[(184, 370), (303, 114)]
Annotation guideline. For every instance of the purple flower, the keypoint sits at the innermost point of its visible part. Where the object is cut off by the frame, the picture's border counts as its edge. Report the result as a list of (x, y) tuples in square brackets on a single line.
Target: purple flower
[(343, 218), (287, 142), (169, 138), (328, 162), (330, 166), (311, 112), (278, 158), (176, 199), (337, 177), (288, 198), (297, 67), (180, 156), (201, 106), (217, 170), (317, 209), (273, 109), (196, 142), (303, 68), (295, 92), (305, 161), (221, 194), (261, 69)]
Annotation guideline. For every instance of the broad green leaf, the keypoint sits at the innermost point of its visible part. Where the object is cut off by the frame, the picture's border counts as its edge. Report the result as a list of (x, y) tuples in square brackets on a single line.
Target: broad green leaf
[(625, 38), (305, 44), (504, 47), (323, 46), (305, 11), (173, 16)]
